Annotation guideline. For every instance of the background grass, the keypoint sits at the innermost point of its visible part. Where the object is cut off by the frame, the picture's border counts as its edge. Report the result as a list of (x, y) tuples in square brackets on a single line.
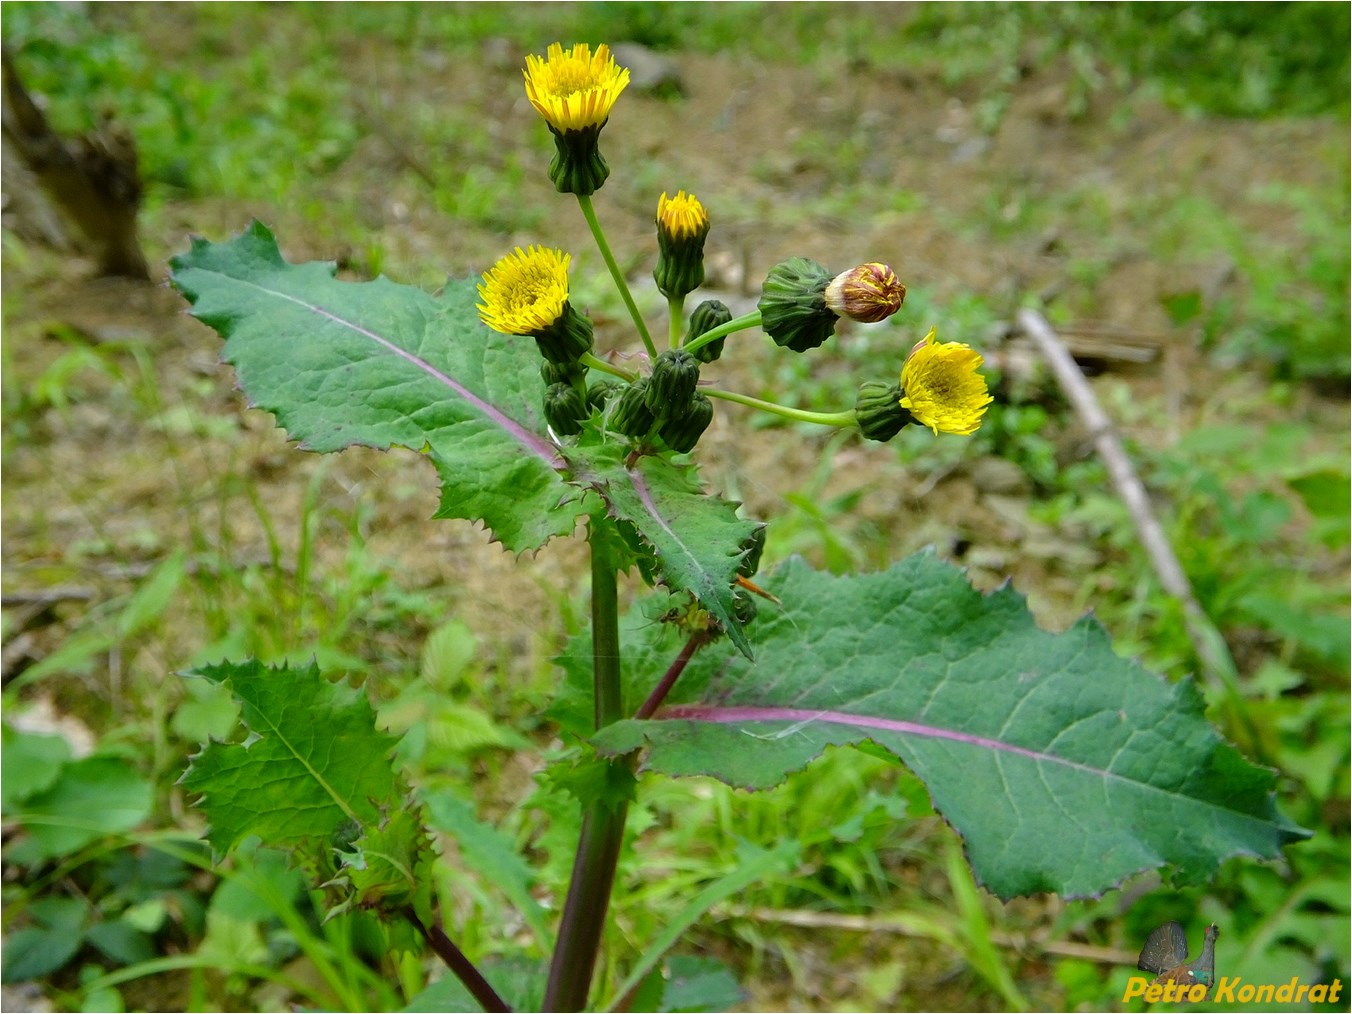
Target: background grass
[(1177, 169)]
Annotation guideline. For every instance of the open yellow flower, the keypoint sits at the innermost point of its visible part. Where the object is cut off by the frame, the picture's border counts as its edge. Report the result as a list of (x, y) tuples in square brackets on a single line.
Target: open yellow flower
[(526, 293), (941, 388), (576, 89)]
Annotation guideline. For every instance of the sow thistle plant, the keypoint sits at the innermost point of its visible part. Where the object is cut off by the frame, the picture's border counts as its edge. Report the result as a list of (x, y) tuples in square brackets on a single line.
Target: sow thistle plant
[(1063, 767)]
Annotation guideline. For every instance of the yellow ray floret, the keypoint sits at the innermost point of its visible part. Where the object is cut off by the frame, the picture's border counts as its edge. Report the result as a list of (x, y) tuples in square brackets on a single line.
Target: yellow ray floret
[(576, 89), (526, 291), (941, 387), (681, 216)]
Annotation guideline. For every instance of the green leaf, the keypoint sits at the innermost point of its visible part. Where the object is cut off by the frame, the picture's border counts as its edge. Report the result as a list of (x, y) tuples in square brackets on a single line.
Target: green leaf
[(519, 981), (152, 597), (1064, 767), (121, 942), (699, 984), (93, 796), (313, 766), (494, 855), (29, 764), (385, 864), (384, 365), (35, 953), (594, 780), (39, 950), (753, 865), (697, 540)]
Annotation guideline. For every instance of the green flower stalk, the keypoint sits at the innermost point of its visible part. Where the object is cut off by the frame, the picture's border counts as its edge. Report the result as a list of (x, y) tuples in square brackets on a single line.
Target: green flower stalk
[(574, 91)]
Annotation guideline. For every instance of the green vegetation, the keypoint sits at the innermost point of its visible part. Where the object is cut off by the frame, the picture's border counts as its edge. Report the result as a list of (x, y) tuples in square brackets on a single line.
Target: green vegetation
[(194, 534)]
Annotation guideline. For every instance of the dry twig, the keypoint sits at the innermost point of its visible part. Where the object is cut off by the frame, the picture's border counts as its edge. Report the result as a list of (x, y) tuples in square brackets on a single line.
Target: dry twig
[(1217, 663)]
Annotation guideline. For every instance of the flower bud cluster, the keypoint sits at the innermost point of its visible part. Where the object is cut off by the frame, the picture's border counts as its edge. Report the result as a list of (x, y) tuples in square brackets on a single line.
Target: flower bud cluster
[(801, 301)]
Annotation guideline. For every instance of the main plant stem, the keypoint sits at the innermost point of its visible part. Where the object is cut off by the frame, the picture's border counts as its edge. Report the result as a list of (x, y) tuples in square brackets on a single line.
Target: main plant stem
[(598, 848)]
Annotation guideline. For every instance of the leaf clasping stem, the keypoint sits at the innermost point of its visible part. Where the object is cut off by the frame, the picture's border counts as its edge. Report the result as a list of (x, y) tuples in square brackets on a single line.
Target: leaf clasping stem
[(589, 213)]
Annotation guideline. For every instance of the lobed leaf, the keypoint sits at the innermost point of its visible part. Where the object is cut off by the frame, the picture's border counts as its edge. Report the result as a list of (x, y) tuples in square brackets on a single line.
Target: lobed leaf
[(384, 365), (1064, 767), (697, 539), (313, 772)]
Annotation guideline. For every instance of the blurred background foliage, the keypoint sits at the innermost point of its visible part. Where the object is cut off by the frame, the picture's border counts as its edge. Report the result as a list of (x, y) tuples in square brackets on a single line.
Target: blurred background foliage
[(1174, 172)]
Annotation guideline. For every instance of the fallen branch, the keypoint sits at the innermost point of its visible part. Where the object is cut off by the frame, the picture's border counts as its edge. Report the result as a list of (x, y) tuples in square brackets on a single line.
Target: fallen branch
[(1217, 663)]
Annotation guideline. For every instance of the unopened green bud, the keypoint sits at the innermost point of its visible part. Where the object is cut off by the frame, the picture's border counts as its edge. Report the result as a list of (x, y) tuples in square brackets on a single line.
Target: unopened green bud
[(672, 385), (561, 373), (682, 432), (708, 315), (565, 409), (793, 304), (600, 393), (631, 415), (752, 550), (743, 606), (878, 411), (682, 225), (565, 340)]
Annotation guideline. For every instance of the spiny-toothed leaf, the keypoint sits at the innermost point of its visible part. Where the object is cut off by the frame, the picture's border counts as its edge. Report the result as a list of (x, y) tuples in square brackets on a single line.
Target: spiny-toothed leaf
[(384, 365), (387, 864), (313, 770), (697, 540), (1064, 767), (593, 780)]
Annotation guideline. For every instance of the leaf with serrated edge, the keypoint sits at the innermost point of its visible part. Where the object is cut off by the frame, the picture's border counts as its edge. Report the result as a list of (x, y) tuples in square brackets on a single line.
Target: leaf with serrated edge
[(313, 764), (697, 539), (383, 365), (1064, 767)]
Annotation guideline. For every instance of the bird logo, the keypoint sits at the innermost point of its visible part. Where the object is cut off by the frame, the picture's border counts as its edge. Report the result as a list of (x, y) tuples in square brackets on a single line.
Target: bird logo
[(1165, 954)]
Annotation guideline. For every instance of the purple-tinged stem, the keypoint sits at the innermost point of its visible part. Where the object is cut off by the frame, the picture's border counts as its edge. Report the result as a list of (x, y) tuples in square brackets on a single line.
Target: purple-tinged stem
[(672, 674)]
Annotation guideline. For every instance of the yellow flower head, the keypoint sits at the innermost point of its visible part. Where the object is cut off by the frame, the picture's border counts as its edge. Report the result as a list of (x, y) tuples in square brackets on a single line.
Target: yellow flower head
[(576, 89), (941, 388), (682, 216), (526, 292)]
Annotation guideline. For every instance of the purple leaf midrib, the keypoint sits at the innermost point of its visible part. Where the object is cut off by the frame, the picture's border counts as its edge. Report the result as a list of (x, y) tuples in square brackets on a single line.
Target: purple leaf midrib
[(806, 716), (541, 448), (729, 715)]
